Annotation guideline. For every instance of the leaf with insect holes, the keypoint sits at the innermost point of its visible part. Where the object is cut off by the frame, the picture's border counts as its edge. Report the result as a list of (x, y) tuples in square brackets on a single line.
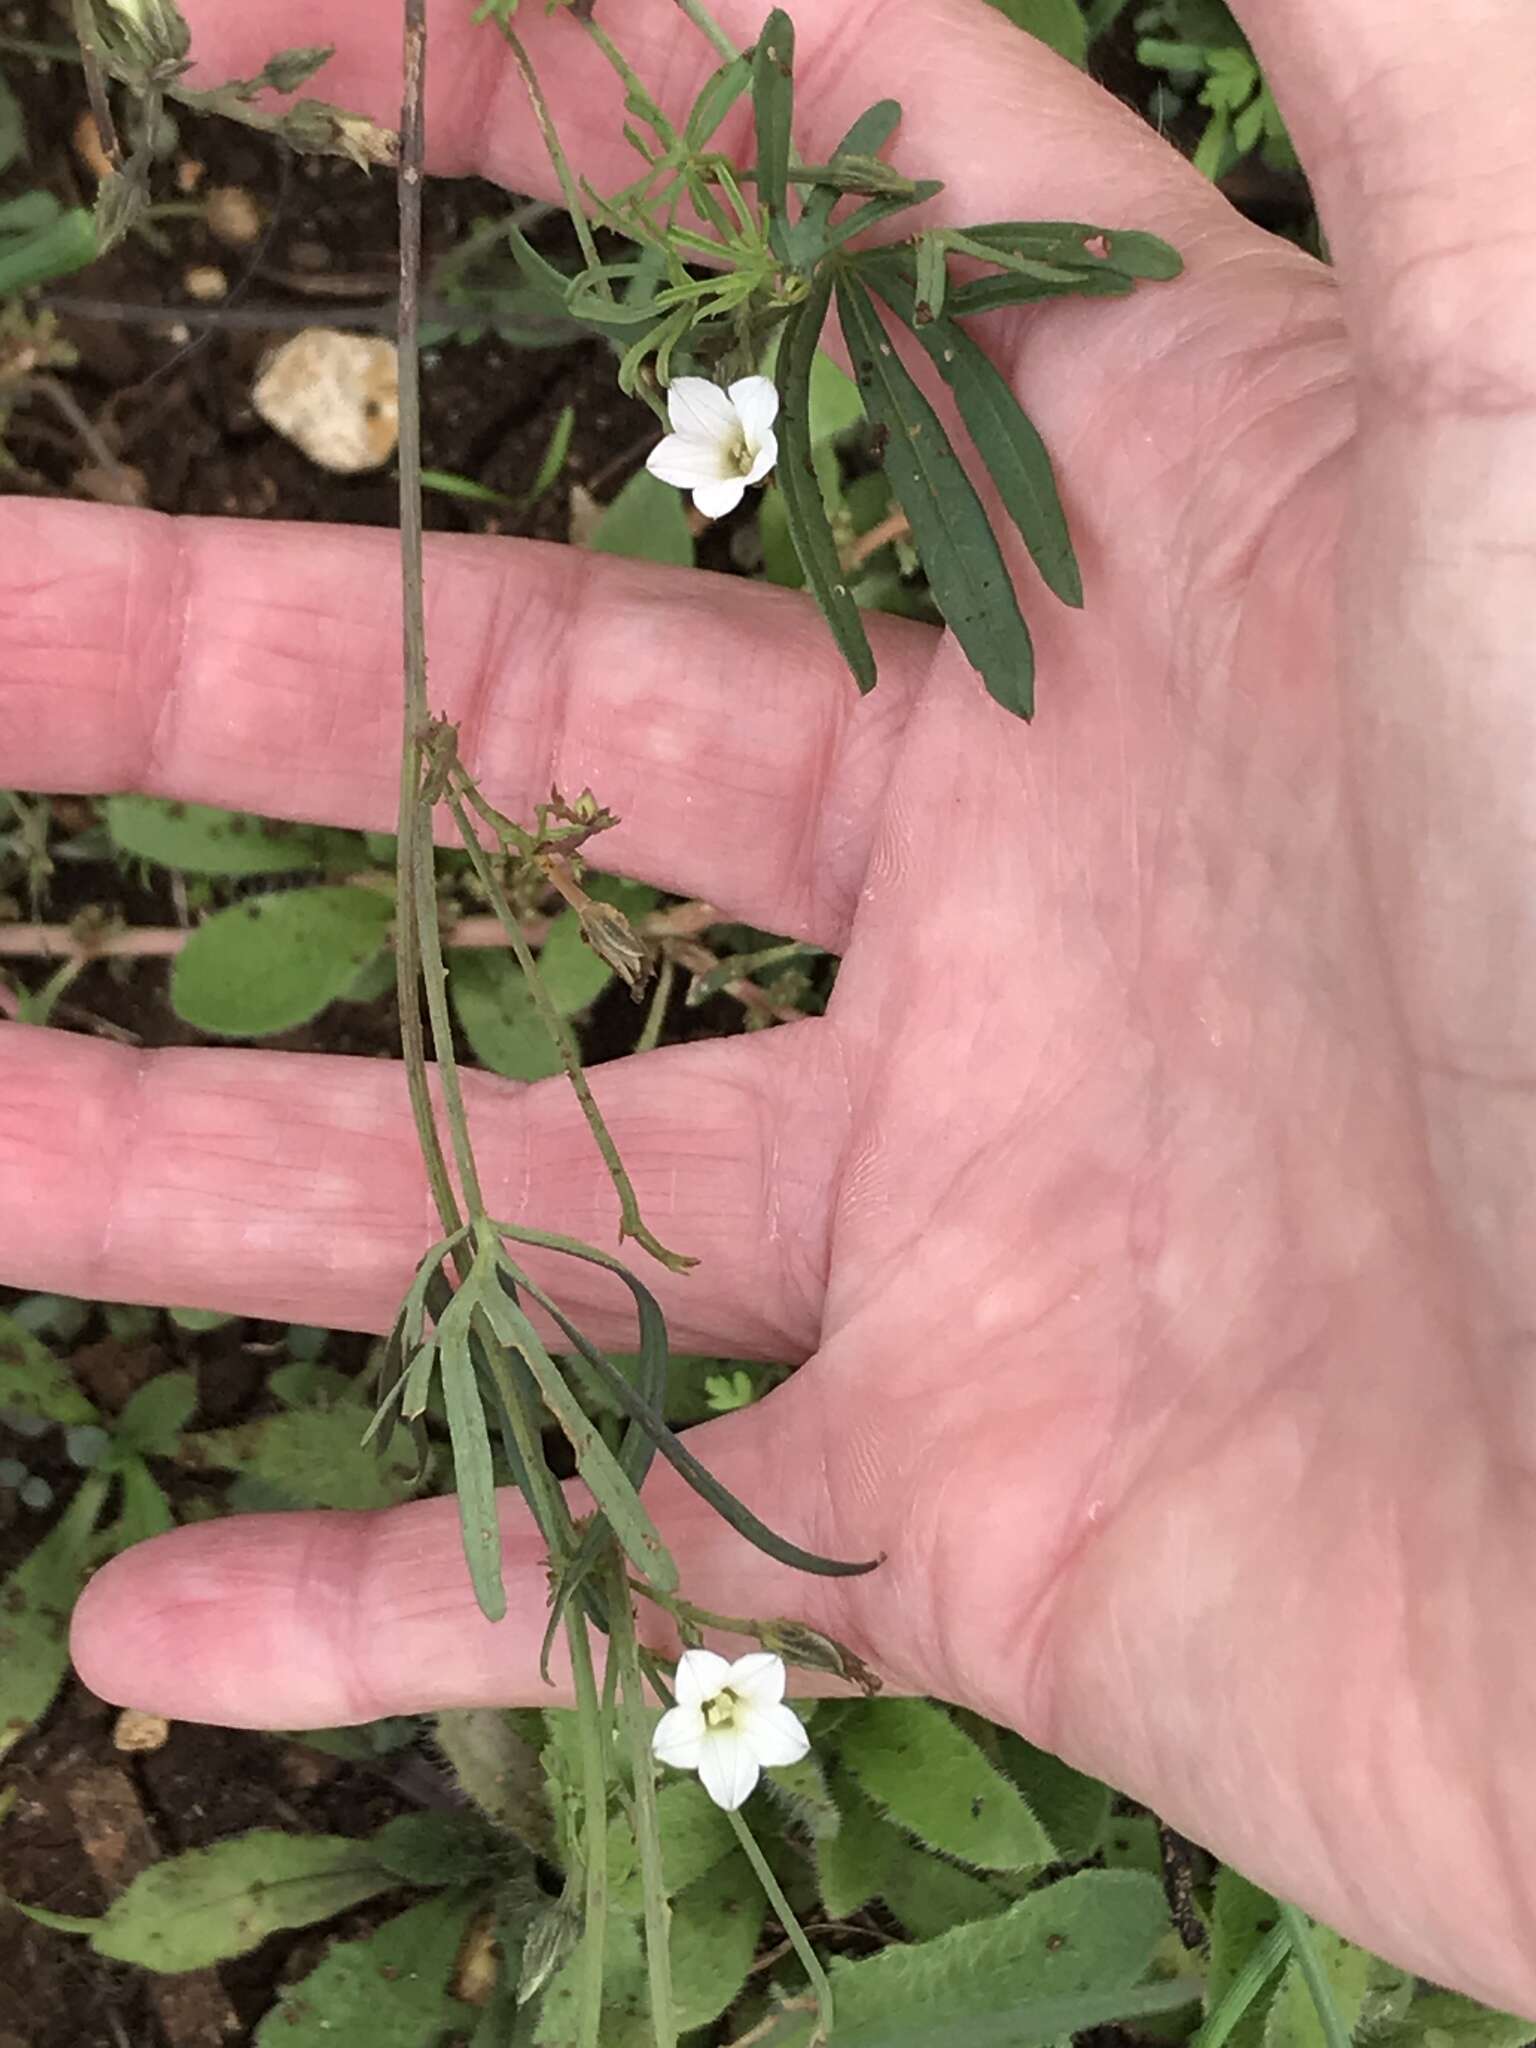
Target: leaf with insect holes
[(926, 1774), (1005, 438), (411, 1957), (966, 571), (199, 840), (34, 1383), (274, 962), (800, 488), (773, 107)]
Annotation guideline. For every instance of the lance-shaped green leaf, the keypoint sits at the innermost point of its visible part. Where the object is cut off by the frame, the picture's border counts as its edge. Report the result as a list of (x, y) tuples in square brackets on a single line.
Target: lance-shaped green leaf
[(1007, 441), (991, 294), (966, 571), (873, 211), (473, 1473), (804, 508), (35, 1603), (1127, 250), (600, 1470), (773, 107), (722, 89), (868, 135), (923, 1771), (704, 1482)]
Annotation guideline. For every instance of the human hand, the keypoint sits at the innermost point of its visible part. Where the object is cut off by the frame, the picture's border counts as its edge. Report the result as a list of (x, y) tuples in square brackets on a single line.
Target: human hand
[(1149, 1208)]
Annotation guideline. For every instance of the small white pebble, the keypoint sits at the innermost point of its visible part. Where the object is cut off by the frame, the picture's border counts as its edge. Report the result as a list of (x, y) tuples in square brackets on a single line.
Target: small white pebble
[(335, 396), (135, 1734)]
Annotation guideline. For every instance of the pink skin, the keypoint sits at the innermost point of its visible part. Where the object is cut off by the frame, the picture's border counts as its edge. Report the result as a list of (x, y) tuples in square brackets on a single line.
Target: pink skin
[(1151, 1207)]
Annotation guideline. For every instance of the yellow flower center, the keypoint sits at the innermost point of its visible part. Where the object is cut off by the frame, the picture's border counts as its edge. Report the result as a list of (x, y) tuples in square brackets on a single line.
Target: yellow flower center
[(722, 1710)]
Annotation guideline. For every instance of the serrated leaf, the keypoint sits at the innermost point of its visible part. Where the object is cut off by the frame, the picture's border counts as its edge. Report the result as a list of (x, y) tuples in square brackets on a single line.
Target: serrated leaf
[(966, 571), (200, 840), (1005, 437), (800, 488), (1086, 1937), (773, 106), (33, 1382), (35, 1605), (392, 1989), (274, 962), (316, 1457), (1056, 22), (208, 1904), (927, 1775), (156, 1415), (1292, 2019), (715, 1925), (646, 523)]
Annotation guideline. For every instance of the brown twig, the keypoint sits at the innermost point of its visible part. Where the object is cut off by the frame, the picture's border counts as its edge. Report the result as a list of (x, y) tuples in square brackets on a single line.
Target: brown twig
[(893, 527)]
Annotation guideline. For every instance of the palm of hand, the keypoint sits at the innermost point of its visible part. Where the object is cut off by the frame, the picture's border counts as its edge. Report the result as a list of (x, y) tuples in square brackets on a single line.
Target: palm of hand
[(1117, 1196)]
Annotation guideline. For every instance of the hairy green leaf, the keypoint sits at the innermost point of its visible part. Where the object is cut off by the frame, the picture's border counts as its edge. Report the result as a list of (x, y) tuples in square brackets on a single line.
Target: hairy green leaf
[(800, 486), (1072, 1808), (35, 1604), (208, 1904), (439, 1848), (392, 1988), (202, 841), (715, 1925), (1444, 2019), (494, 1754), (274, 962), (966, 571), (316, 1457), (33, 1382), (926, 1773), (1292, 2019), (853, 1864)]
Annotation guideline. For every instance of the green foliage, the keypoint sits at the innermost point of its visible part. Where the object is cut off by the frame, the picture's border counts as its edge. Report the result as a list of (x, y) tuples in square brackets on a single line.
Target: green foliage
[(392, 1988), (1444, 2019), (199, 840), (1205, 52), (209, 1904), (33, 1382), (1073, 1809), (309, 1457), (927, 1775), (274, 962), (494, 1754), (495, 1005), (13, 132), (1292, 2019), (715, 1926), (40, 241), (646, 521), (1057, 22), (35, 1604)]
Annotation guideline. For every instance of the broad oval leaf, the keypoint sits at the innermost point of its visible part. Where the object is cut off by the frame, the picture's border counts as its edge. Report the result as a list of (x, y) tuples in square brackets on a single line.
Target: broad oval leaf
[(274, 962), (646, 522), (715, 1925), (392, 1989), (200, 840), (966, 570), (926, 1774)]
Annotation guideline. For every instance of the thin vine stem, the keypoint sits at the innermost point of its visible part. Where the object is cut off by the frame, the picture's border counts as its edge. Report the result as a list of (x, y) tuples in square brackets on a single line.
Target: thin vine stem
[(569, 190), (594, 1773), (709, 28), (810, 1962), (631, 1223), (1299, 1933), (96, 83), (624, 1655)]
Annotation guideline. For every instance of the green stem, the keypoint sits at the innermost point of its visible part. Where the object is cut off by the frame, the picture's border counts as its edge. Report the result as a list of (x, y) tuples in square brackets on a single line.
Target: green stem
[(631, 1223), (1243, 1990), (624, 1654), (594, 1774), (96, 83), (634, 85), (1298, 1931), (810, 1961), (569, 191), (709, 28), (413, 1045), (655, 1016)]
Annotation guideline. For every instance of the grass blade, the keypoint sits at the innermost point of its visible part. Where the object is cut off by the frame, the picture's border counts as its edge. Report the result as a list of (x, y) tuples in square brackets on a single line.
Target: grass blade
[(800, 487), (966, 571)]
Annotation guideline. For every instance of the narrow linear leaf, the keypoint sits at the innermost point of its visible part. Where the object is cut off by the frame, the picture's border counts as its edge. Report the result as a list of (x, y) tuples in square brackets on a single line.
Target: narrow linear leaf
[(868, 135), (773, 105), (800, 488), (721, 91), (473, 1473), (873, 211), (1005, 437), (1129, 251), (932, 277), (992, 294), (966, 571)]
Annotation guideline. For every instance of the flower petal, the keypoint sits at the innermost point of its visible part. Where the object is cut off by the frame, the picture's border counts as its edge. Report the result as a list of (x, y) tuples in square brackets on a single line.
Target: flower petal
[(680, 459), (756, 400), (728, 1768), (701, 410), (767, 455), (775, 1735), (678, 1738), (759, 1677), (715, 499), (699, 1676)]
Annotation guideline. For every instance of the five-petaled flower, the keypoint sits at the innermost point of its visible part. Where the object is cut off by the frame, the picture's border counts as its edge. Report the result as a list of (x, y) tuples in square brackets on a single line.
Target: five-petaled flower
[(730, 1720), (720, 442)]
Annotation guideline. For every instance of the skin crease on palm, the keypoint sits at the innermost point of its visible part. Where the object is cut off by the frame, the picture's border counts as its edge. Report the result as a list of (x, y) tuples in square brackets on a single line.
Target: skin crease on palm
[(1151, 1206)]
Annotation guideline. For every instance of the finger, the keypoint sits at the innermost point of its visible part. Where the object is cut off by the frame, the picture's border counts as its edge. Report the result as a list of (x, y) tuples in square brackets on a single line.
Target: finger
[(258, 667), (289, 1185), (316, 1620), (1006, 122), (1422, 151)]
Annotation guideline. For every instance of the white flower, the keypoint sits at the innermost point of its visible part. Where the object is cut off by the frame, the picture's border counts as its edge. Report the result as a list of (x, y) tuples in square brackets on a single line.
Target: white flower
[(730, 1720), (720, 442)]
